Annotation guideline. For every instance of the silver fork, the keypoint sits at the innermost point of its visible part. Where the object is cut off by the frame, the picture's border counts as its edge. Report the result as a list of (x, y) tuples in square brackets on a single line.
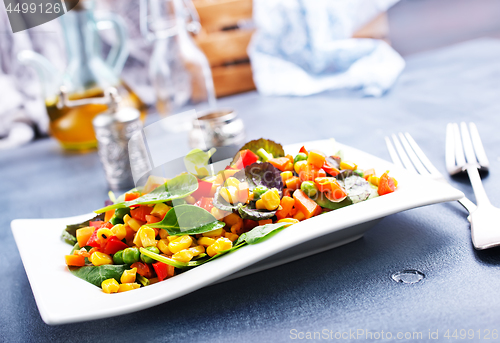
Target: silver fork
[(415, 161), (485, 227)]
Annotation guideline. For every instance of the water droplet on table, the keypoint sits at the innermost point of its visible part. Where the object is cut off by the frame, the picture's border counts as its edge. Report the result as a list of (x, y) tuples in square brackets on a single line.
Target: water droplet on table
[(408, 276)]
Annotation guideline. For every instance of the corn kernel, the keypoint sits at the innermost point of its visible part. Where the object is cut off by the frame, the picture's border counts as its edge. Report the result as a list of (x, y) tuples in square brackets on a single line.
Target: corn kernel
[(163, 234), (172, 238), (183, 255), (103, 235), (163, 246), (213, 233), (125, 287), (232, 219), (135, 224), (348, 165), (299, 165), (299, 216), (128, 276), (230, 194), (181, 243), (270, 200), (147, 236), (119, 231), (199, 249), (286, 175), (99, 258), (220, 245), (126, 218), (190, 200), (289, 220), (206, 241), (231, 236), (160, 209), (232, 182), (110, 286), (374, 180), (259, 204)]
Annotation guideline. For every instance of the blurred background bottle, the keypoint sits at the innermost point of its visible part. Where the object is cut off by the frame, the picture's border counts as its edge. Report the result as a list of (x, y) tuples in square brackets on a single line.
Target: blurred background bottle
[(179, 71), (88, 75)]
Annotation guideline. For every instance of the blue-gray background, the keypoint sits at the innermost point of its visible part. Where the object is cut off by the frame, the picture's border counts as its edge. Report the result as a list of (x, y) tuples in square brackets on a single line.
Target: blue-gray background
[(342, 289)]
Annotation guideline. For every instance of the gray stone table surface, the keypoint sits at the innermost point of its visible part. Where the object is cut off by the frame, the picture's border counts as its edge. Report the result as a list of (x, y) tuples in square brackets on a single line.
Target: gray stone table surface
[(341, 290)]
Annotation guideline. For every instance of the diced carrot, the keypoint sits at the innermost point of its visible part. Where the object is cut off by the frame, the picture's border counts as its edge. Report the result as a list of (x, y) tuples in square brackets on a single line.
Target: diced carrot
[(290, 157), (293, 183), (152, 219), (266, 221), (75, 260), (282, 163), (287, 204), (386, 184), (83, 235), (311, 172), (316, 158), (288, 192), (304, 204), (243, 192), (108, 215)]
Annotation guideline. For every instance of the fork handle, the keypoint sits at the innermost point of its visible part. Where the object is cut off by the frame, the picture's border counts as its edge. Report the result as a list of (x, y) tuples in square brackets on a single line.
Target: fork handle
[(477, 186), (467, 204)]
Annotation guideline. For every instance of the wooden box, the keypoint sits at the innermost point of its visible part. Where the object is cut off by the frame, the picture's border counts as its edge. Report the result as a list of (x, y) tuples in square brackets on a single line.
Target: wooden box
[(225, 44)]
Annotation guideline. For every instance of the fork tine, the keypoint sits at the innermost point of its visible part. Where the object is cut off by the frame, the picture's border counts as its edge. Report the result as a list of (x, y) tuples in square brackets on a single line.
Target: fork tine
[(450, 149), (413, 157), (459, 151), (425, 161), (467, 144), (393, 153), (478, 146), (402, 153)]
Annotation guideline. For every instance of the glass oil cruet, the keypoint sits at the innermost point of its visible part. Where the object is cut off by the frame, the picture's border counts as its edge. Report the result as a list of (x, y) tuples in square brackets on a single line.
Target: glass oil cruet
[(87, 75), (179, 71)]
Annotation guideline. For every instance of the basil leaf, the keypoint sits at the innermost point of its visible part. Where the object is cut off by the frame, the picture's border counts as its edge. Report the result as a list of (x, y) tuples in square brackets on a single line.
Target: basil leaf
[(188, 220), (323, 201), (261, 233), (97, 274), (68, 238), (176, 188), (71, 229), (247, 212)]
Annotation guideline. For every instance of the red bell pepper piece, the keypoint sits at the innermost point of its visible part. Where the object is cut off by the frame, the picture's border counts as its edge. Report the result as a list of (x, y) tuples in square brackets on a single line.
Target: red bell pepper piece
[(143, 269), (245, 158), (303, 149), (204, 189), (93, 240), (140, 212), (132, 196), (114, 245), (152, 219), (206, 203), (163, 270)]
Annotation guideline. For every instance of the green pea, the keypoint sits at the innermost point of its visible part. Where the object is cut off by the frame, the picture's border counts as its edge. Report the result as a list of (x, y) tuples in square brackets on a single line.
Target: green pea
[(358, 173), (118, 257), (147, 259), (258, 191), (121, 212), (309, 188), (115, 220), (300, 157), (131, 255)]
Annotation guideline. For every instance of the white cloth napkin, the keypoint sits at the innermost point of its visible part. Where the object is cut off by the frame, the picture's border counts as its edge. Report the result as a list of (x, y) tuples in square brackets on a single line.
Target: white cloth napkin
[(304, 47)]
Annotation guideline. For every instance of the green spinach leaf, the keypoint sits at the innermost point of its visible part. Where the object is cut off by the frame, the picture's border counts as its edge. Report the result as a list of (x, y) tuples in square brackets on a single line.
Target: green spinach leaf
[(261, 233), (176, 188), (97, 274), (358, 189), (188, 220), (323, 201)]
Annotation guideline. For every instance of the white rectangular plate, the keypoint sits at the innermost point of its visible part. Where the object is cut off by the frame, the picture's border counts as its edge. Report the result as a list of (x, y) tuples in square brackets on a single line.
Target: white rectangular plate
[(336, 228)]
